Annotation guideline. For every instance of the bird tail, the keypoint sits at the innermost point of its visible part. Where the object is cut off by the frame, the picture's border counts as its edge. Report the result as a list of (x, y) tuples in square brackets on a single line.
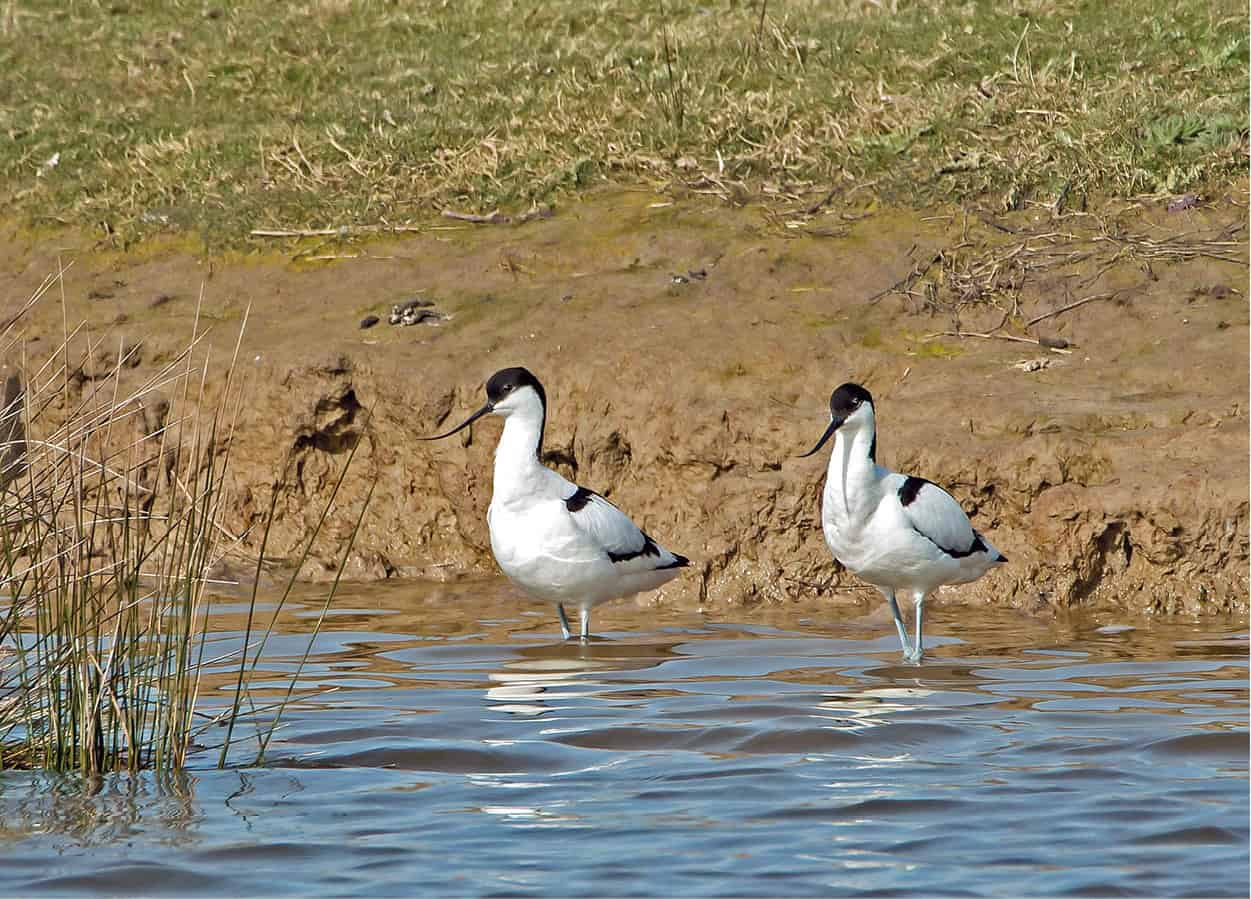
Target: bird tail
[(679, 561), (996, 557)]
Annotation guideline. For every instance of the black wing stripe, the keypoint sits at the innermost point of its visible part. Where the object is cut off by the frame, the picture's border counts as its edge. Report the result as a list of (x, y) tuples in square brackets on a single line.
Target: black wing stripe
[(579, 501), (649, 549), (580, 498), (910, 488), (908, 492), (679, 561), (976, 546)]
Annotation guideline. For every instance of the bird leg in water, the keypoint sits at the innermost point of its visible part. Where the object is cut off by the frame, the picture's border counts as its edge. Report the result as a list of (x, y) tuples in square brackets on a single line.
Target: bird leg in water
[(586, 624), (565, 633), (899, 625), (915, 655)]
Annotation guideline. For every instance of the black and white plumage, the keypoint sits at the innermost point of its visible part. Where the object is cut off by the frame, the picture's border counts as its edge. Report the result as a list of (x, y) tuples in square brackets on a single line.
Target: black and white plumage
[(895, 531), (557, 541)]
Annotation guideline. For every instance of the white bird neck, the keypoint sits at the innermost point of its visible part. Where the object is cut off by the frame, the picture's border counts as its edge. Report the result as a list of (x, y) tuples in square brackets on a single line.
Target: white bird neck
[(518, 470), (853, 475)]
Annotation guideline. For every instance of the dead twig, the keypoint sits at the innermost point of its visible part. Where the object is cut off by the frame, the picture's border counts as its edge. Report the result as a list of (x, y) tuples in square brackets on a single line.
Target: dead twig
[(993, 222), (492, 218), (829, 585), (909, 279), (1069, 307), (498, 218), (341, 231), (1042, 342), (812, 210)]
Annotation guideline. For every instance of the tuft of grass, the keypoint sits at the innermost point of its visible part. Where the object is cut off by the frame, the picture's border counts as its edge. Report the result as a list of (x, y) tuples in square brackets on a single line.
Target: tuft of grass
[(111, 501), (134, 118), (872, 338), (934, 349)]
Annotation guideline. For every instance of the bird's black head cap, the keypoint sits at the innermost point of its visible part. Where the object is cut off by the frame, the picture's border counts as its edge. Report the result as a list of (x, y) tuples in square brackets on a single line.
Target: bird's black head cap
[(501, 385), (847, 398), (506, 380), (844, 402)]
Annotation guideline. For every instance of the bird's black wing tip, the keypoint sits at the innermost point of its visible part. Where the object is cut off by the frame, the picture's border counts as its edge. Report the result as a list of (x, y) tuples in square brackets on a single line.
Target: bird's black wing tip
[(679, 561), (577, 502)]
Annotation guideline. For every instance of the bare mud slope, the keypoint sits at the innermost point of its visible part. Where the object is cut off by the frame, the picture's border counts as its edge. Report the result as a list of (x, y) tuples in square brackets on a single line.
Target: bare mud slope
[(689, 349)]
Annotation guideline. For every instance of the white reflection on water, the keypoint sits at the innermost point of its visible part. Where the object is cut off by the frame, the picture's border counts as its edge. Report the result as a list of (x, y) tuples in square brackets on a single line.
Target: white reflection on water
[(542, 678)]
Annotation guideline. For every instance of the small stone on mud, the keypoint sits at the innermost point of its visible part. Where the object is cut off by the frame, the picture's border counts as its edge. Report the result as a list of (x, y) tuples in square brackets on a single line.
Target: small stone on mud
[(1114, 629), (1053, 343), (369, 321), (160, 300), (1185, 201)]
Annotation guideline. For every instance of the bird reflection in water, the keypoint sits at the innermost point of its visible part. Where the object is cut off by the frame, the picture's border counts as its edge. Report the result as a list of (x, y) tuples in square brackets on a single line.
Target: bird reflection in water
[(542, 678)]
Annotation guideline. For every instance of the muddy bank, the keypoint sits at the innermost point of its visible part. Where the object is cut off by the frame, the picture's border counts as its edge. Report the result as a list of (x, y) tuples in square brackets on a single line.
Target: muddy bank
[(688, 349)]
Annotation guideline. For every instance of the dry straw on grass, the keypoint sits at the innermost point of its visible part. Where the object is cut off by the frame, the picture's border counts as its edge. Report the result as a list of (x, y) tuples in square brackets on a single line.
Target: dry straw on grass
[(302, 117), (996, 271), (111, 494)]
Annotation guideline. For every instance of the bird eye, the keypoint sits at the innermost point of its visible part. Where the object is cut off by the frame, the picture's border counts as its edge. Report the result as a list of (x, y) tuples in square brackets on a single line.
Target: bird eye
[(508, 387)]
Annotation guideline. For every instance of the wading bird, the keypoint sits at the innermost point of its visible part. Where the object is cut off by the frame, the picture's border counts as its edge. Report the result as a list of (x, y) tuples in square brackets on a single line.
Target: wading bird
[(895, 531), (557, 541)]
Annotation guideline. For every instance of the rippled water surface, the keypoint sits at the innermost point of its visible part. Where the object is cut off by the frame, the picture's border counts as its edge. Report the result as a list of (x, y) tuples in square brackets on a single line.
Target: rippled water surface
[(444, 742)]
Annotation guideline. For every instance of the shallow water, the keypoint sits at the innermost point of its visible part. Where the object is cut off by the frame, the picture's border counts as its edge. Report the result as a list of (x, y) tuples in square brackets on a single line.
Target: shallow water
[(444, 743)]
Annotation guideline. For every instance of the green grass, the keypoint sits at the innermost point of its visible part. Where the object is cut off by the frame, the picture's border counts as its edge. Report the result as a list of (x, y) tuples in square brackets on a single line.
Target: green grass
[(218, 118)]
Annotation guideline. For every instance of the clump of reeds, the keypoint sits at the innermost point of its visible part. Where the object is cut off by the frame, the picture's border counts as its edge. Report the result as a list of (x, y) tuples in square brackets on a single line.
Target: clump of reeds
[(111, 500)]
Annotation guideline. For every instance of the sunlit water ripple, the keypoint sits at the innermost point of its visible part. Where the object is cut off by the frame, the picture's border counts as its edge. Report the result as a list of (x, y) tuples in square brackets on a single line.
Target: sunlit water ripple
[(443, 743)]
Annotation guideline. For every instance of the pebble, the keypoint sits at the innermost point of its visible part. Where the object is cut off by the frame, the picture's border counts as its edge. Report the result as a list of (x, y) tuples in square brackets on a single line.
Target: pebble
[(695, 274), (1185, 201)]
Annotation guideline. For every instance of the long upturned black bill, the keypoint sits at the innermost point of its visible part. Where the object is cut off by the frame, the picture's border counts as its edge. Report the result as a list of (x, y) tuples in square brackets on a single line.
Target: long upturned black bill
[(829, 432), (485, 410)]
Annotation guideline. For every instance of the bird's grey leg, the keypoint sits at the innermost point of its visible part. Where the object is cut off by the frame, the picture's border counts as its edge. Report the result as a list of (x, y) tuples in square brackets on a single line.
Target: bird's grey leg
[(586, 624), (915, 655), (565, 633), (899, 625)]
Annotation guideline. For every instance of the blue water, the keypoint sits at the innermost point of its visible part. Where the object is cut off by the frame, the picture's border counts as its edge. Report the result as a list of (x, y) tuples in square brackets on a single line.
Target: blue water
[(444, 743)]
